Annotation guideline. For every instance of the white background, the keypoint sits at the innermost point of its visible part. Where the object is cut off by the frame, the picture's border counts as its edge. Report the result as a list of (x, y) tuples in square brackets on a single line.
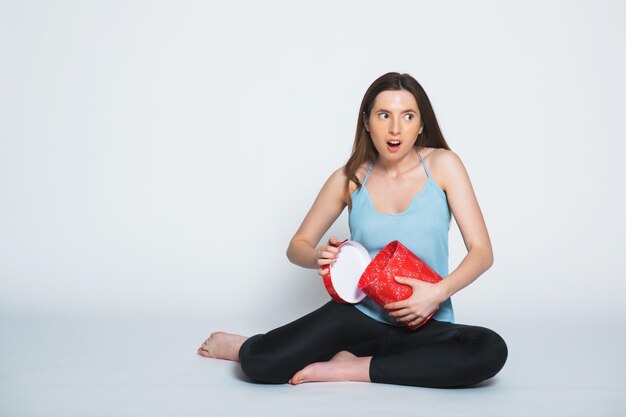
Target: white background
[(157, 157)]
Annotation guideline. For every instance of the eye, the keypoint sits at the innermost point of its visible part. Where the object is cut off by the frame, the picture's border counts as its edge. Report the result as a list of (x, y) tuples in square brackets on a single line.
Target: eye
[(410, 116), (380, 114)]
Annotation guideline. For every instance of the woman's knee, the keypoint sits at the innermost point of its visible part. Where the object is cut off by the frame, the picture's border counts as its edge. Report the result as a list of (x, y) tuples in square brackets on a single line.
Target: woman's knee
[(493, 352), (261, 366)]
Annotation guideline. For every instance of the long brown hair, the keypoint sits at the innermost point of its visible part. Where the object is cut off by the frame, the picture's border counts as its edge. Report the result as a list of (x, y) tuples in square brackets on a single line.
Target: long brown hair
[(363, 148)]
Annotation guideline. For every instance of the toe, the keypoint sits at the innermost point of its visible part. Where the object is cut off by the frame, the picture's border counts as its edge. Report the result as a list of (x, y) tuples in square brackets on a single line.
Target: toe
[(295, 379)]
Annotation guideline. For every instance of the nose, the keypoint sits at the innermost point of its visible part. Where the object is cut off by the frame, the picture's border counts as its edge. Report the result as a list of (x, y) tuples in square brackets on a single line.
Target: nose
[(394, 127)]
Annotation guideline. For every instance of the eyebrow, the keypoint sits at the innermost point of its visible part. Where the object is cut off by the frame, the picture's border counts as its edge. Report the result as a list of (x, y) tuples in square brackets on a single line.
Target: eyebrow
[(405, 111)]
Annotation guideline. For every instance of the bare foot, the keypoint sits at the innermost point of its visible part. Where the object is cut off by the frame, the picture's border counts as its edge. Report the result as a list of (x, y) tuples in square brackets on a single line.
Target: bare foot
[(221, 345), (344, 366)]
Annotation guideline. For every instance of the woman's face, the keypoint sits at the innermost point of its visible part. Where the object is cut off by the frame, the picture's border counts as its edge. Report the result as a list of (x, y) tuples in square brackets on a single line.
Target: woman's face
[(394, 118)]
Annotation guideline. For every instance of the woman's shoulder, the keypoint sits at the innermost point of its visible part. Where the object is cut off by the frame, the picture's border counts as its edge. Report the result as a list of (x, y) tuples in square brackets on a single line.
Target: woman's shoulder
[(360, 174), (338, 178), (443, 165)]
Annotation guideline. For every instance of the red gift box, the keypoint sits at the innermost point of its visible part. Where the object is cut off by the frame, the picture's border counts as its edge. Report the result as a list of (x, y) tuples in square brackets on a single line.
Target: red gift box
[(378, 282)]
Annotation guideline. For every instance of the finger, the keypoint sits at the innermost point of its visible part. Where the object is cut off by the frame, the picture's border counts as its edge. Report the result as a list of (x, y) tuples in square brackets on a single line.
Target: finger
[(404, 281), (331, 249), (394, 306), (394, 313), (326, 261), (416, 321), (405, 316), (404, 312), (322, 271)]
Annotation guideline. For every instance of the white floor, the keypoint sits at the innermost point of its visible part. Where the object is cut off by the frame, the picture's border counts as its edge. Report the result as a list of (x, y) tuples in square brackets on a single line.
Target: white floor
[(131, 366)]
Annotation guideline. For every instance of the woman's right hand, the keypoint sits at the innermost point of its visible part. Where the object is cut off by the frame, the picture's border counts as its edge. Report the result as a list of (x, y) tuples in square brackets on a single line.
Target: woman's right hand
[(326, 254)]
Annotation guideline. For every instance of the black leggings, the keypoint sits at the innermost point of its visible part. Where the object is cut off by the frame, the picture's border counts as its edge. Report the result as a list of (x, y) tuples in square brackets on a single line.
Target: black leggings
[(438, 354)]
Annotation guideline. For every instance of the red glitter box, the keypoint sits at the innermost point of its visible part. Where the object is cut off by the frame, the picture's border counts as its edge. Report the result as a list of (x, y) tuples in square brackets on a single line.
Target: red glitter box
[(376, 277)]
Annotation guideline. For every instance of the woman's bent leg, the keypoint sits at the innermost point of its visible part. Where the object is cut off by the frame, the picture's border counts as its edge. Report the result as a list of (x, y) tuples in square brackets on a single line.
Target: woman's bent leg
[(439, 354), (276, 356)]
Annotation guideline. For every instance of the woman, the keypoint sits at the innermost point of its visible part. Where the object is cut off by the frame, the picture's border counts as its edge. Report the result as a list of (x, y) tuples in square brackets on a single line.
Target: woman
[(414, 183)]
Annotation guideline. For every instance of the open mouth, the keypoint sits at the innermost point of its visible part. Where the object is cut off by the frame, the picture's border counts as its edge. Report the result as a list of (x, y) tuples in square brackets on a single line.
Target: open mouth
[(393, 143)]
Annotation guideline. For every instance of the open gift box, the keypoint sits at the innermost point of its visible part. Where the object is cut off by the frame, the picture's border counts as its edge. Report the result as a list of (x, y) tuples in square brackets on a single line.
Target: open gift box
[(354, 275)]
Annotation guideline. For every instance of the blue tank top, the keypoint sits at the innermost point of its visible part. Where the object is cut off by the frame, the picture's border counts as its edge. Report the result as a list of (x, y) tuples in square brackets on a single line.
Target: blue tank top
[(423, 228)]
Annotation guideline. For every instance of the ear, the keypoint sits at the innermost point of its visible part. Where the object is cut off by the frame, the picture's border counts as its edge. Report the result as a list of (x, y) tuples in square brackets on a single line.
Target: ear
[(367, 127)]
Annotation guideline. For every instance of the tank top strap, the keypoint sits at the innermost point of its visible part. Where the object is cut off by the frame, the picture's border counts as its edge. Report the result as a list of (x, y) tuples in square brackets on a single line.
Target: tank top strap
[(368, 173), (424, 165)]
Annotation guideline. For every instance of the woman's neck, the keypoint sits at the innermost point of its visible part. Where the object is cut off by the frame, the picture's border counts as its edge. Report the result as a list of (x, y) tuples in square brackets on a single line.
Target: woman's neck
[(395, 168)]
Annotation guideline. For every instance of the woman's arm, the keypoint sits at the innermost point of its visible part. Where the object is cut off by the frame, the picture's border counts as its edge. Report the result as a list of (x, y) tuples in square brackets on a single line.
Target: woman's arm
[(455, 181), (325, 210)]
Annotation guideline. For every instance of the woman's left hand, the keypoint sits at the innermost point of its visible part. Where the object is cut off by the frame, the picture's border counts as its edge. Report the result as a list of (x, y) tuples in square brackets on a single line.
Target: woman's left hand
[(425, 298)]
